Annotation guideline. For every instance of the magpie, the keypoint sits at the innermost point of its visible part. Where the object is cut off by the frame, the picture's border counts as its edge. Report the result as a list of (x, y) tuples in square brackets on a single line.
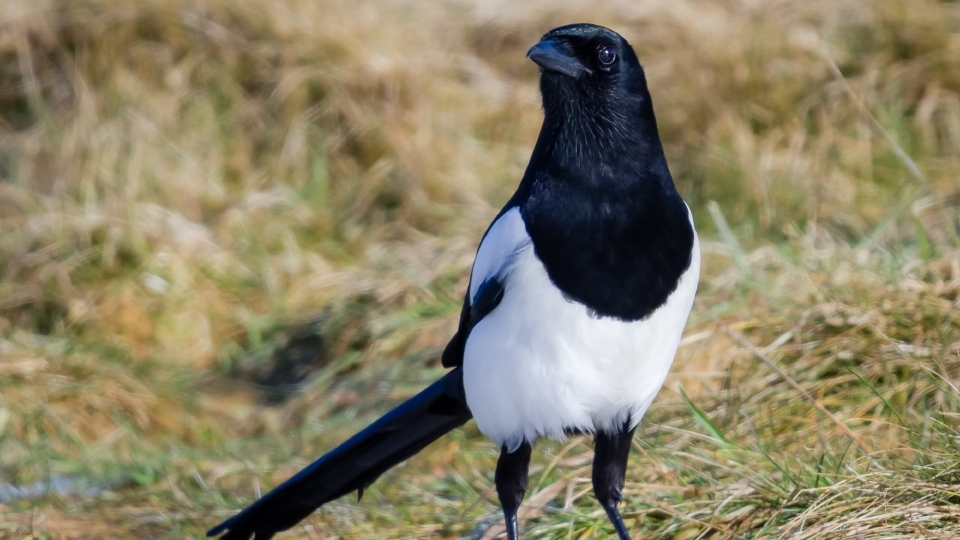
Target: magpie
[(575, 307)]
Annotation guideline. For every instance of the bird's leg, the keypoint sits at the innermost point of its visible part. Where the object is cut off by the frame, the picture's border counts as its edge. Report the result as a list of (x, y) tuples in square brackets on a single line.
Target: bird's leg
[(609, 469), (511, 482)]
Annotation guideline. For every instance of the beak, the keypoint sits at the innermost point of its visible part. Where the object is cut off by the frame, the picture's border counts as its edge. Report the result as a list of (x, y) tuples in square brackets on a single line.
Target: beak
[(550, 58)]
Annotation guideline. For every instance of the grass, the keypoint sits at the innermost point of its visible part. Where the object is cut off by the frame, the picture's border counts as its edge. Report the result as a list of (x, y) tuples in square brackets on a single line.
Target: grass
[(232, 233)]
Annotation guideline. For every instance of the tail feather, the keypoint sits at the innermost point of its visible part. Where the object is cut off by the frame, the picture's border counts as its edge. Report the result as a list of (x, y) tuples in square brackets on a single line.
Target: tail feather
[(355, 464)]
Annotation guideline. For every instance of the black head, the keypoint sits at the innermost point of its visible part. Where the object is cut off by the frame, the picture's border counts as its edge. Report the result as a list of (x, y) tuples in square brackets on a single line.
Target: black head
[(590, 54), (595, 98)]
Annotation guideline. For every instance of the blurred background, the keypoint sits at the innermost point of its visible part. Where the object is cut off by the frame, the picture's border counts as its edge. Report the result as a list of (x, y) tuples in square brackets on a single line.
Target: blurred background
[(234, 232)]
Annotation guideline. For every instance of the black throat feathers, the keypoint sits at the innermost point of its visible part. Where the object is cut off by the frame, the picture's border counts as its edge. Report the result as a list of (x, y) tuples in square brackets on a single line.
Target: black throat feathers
[(597, 197)]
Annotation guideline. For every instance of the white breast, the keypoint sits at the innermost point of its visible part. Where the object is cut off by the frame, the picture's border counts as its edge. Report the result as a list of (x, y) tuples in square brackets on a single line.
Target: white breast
[(539, 365)]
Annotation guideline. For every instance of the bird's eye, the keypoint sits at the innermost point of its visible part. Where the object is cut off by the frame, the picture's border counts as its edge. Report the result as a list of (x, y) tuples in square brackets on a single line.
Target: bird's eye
[(607, 55)]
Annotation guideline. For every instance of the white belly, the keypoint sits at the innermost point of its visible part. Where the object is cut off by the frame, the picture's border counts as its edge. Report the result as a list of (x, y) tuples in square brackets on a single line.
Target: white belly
[(539, 365)]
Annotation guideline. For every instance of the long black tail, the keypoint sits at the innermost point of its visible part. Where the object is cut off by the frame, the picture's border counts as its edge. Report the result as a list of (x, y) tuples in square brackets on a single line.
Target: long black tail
[(355, 464)]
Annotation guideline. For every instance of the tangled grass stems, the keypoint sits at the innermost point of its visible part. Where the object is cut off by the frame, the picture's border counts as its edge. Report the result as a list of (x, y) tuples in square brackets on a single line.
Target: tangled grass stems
[(190, 190)]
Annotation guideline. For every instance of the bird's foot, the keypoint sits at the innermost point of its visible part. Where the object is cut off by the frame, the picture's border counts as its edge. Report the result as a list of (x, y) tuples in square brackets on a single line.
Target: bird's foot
[(510, 520), (614, 515)]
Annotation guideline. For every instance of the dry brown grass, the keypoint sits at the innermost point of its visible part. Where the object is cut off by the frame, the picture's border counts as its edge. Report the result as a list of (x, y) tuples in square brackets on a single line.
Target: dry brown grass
[(181, 181)]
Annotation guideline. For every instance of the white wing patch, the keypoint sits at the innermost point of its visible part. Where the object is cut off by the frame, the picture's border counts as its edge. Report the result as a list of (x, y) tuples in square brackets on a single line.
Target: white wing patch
[(506, 237)]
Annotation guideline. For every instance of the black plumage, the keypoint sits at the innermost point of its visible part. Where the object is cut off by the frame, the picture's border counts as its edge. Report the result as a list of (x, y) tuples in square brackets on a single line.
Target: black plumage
[(356, 463), (621, 238)]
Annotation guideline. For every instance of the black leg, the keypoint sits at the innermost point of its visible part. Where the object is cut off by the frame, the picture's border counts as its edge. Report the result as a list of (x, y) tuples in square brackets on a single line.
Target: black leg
[(511, 481), (609, 469)]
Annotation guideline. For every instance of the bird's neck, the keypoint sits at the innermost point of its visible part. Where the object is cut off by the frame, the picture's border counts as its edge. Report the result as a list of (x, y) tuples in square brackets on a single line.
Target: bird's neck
[(605, 148)]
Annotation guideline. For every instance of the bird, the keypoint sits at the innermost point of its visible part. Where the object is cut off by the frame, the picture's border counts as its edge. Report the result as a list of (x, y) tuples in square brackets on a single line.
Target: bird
[(576, 303)]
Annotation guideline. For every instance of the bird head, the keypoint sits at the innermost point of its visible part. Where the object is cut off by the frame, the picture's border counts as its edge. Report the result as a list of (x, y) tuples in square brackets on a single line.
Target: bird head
[(597, 107), (586, 52), (587, 59)]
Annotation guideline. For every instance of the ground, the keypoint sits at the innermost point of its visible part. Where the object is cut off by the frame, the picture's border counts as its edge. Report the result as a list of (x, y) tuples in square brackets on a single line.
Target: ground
[(233, 233)]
